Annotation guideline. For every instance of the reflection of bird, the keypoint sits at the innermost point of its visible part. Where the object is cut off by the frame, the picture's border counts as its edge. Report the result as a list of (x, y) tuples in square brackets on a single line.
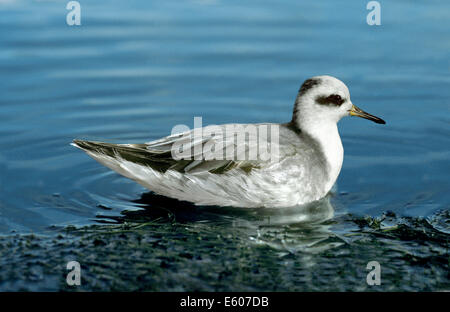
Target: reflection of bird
[(303, 163)]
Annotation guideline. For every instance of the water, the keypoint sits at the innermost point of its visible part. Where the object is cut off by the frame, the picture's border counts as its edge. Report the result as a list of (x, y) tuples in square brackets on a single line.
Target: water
[(134, 70)]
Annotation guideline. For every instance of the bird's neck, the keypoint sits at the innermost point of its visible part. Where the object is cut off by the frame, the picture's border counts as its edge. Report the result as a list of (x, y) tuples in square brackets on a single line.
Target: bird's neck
[(326, 136)]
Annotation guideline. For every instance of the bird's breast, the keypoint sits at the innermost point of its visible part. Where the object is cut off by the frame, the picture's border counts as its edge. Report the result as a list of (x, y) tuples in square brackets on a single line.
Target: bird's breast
[(334, 156), (326, 143)]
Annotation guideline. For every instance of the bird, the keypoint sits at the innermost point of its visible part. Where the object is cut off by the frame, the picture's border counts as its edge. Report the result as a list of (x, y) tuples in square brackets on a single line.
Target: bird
[(262, 165)]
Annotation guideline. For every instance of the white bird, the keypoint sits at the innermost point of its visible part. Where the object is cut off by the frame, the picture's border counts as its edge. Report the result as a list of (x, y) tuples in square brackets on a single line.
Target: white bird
[(309, 155)]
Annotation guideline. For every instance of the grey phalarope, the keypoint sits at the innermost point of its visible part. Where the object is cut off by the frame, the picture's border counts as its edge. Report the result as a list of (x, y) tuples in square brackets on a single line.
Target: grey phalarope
[(309, 155)]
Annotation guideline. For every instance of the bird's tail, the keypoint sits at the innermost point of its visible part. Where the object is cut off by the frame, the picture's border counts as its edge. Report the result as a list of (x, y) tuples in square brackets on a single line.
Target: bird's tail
[(111, 155)]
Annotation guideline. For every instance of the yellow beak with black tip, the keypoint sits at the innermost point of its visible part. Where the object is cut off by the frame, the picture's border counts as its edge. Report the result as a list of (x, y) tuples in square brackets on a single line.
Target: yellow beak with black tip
[(355, 111)]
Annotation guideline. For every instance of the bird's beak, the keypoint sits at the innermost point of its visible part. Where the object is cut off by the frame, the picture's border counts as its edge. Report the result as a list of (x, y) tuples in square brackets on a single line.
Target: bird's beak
[(355, 111)]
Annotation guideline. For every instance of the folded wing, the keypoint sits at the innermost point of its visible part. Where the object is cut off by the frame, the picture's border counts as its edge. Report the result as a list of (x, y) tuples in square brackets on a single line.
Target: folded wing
[(213, 149)]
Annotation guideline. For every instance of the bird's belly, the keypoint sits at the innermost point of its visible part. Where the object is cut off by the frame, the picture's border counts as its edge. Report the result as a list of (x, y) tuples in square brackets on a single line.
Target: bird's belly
[(293, 184), (285, 185)]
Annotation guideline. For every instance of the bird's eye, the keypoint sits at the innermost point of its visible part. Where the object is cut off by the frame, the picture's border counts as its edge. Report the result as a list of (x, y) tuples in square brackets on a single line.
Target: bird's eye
[(334, 99)]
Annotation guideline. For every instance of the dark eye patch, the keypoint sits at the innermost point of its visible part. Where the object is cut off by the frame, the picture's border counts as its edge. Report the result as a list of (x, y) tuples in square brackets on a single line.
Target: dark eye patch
[(334, 99)]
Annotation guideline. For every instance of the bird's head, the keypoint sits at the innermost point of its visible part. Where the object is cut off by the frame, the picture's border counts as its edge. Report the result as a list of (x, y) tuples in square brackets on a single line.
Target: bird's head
[(325, 99)]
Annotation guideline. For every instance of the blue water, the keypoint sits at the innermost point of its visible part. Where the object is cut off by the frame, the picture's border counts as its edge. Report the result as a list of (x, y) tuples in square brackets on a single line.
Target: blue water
[(135, 69)]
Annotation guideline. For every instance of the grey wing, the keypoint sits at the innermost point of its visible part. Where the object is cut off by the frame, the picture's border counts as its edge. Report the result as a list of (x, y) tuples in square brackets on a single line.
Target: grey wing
[(161, 155)]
